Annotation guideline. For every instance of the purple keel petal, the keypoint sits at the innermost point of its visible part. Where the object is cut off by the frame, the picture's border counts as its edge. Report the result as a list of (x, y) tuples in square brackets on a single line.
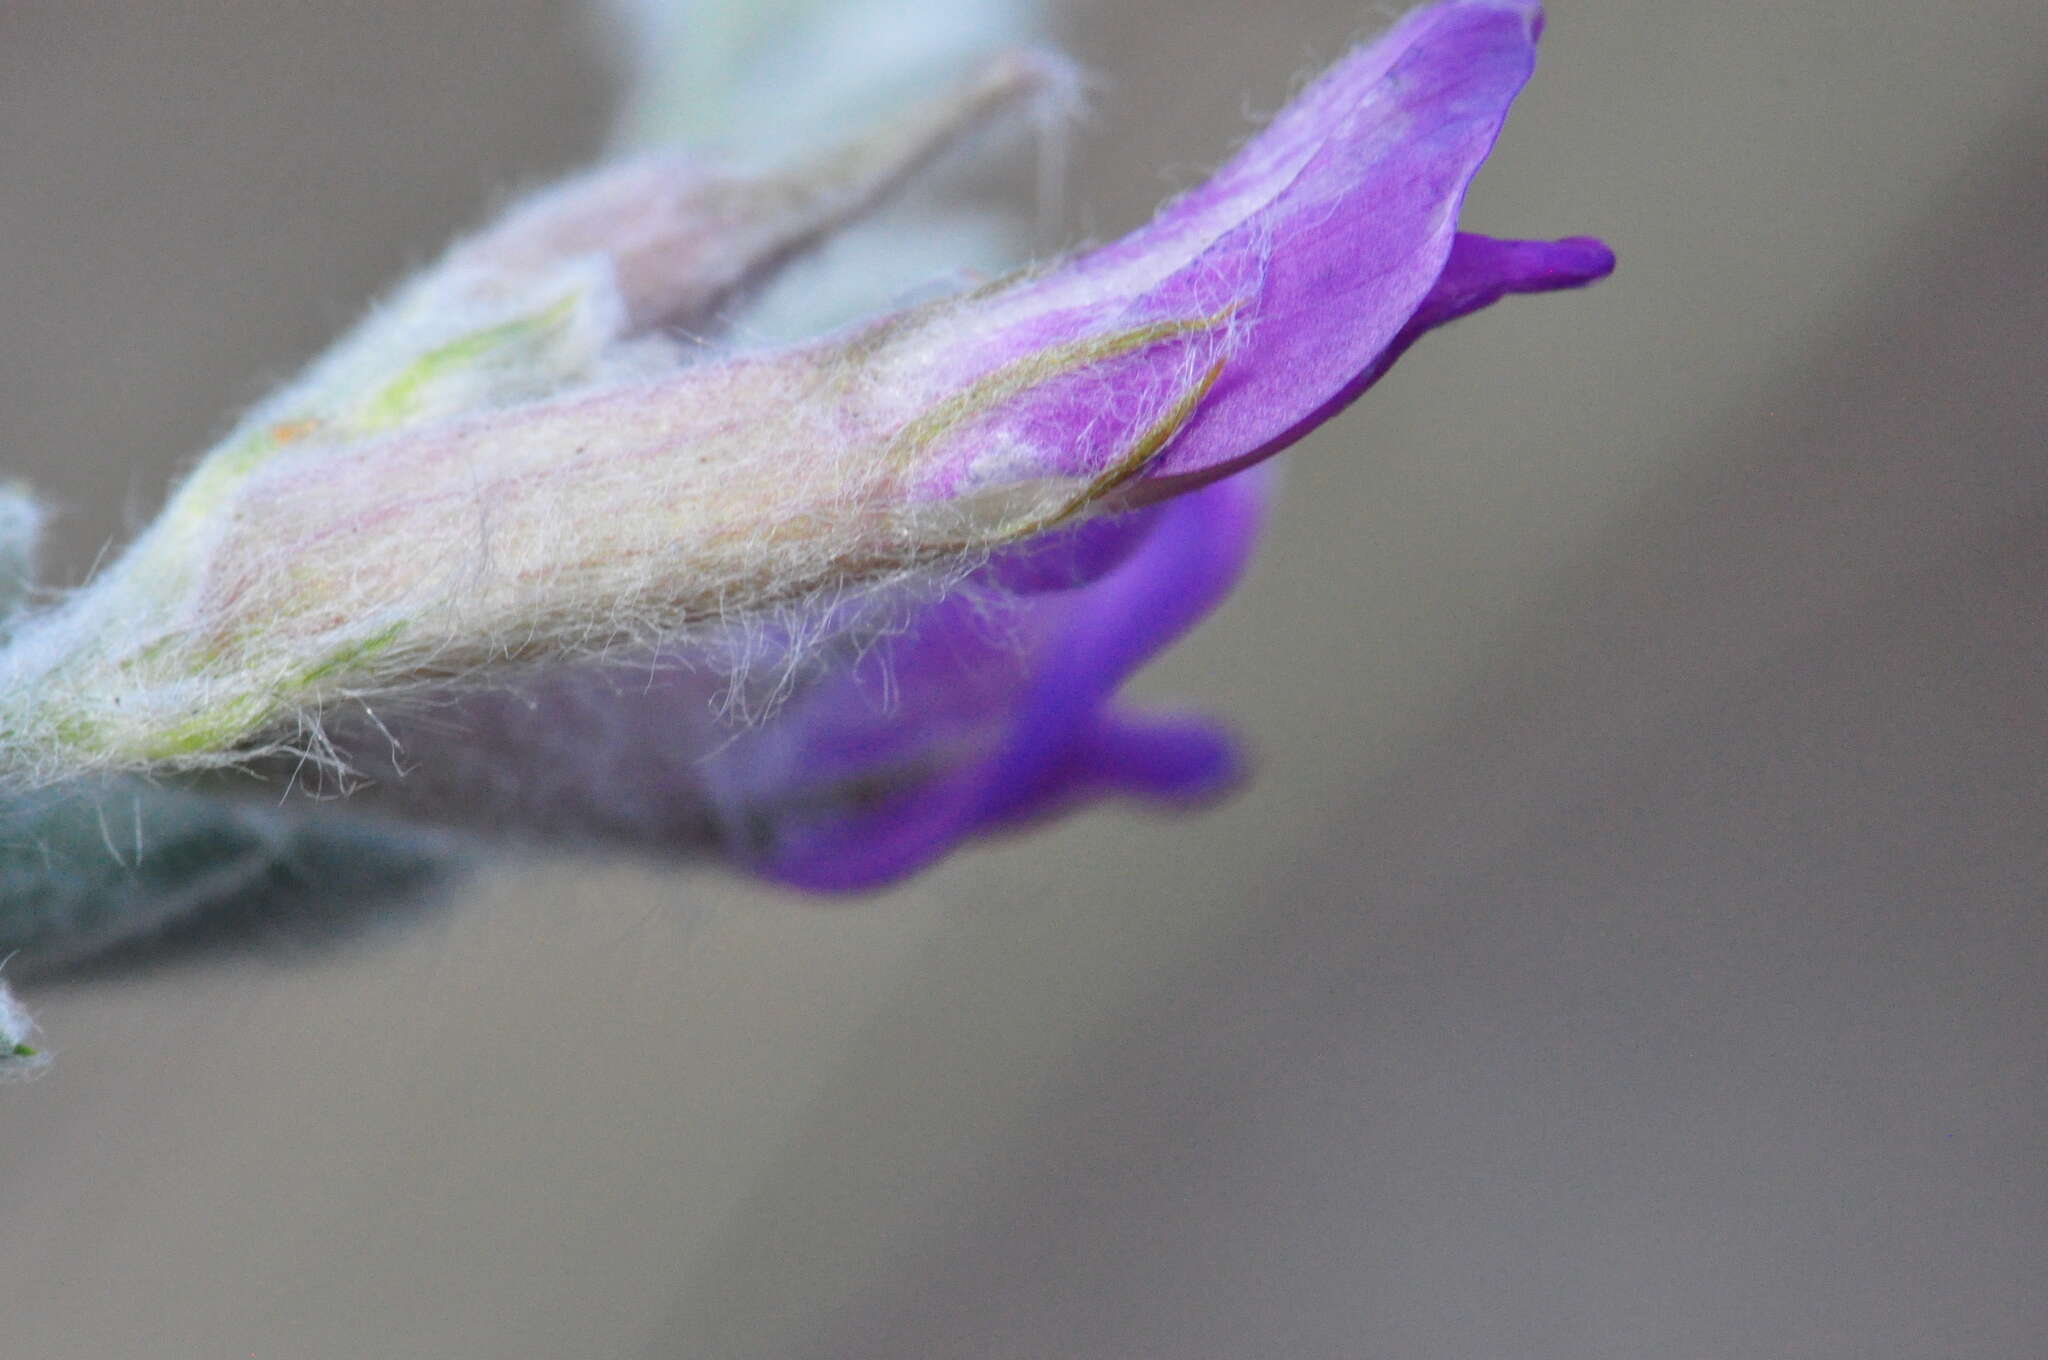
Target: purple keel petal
[(1480, 272), (1171, 759)]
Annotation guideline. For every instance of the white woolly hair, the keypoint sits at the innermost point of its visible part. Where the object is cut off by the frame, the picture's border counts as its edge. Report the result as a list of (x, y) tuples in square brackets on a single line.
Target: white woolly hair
[(507, 467)]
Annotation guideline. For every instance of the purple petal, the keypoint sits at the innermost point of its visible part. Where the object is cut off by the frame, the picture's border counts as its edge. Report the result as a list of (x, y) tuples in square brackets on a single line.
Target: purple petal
[(1480, 272), (1181, 573), (1362, 232), (1265, 299), (1046, 743), (1070, 557), (1173, 759), (1347, 205)]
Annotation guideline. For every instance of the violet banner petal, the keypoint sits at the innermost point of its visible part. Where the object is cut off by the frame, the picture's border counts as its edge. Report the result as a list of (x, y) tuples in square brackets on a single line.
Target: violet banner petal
[(1356, 237), (1260, 302)]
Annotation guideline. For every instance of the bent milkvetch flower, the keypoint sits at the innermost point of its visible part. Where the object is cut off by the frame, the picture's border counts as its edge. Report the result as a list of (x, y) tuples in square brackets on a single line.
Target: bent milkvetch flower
[(565, 501), (994, 705)]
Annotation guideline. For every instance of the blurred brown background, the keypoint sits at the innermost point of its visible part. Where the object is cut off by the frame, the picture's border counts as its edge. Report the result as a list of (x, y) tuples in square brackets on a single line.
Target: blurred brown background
[(1633, 944)]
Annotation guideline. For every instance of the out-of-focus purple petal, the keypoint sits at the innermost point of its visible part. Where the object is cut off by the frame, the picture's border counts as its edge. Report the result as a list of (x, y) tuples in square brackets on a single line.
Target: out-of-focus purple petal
[(1069, 557), (1050, 742), (1166, 759), (1183, 570)]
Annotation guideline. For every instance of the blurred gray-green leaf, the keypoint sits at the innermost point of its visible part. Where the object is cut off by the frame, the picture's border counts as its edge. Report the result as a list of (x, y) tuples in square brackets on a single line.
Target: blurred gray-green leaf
[(131, 867)]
